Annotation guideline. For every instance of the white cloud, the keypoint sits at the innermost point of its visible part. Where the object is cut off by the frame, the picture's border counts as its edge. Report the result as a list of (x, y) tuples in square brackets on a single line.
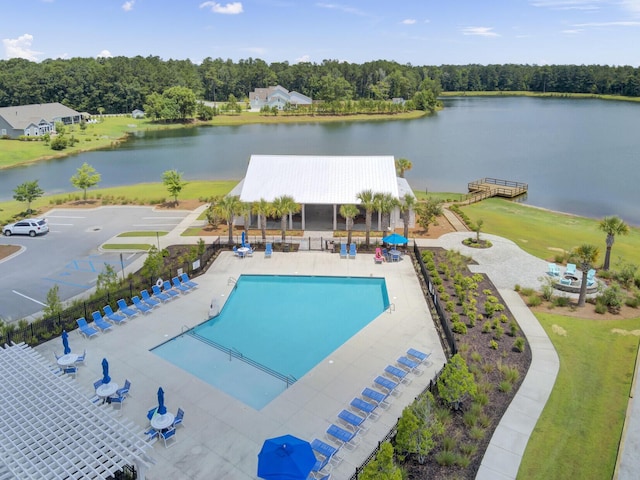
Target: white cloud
[(608, 24), (568, 4), (631, 5), (572, 31), (233, 8), (342, 8), (20, 48), (128, 5), (303, 59), (409, 21), (104, 54), (480, 31)]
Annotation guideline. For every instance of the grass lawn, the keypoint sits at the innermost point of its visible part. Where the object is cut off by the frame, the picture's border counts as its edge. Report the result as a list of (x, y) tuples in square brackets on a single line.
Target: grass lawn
[(578, 433), (143, 234), (542, 232), (126, 246)]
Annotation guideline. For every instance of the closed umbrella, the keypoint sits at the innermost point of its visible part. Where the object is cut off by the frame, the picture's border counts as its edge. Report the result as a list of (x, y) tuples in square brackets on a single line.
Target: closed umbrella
[(105, 372), (161, 408), (65, 342), (395, 239), (243, 238), (285, 458)]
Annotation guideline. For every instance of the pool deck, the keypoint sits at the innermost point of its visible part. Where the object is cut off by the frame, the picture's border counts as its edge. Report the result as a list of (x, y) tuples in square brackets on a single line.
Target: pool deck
[(221, 436)]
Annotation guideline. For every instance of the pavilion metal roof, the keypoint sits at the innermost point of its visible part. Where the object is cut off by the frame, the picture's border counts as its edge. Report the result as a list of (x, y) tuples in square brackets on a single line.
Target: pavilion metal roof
[(318, 179), (49, 429)]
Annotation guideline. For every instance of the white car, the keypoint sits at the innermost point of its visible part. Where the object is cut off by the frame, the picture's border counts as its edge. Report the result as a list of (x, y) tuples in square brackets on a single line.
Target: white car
[(28, 226)]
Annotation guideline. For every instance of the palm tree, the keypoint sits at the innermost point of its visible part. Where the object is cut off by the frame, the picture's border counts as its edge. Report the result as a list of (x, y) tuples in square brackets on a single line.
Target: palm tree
[(349, 212), (263, 209), (406, 205), (367, 200), (283, 206), (402, 165), (384, 204), (612, 226), (587, 255), (227, 208)]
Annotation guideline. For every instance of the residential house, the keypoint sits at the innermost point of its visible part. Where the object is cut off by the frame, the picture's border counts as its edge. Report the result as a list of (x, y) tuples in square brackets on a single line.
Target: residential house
[(277, 96), (35, 120)]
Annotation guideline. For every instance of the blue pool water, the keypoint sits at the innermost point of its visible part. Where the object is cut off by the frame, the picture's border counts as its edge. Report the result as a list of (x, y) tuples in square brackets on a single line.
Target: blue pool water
[(280, 324)]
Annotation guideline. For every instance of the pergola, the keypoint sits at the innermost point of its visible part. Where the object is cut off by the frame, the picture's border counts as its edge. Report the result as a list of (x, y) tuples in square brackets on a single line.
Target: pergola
[(50, 429), (319, 180)]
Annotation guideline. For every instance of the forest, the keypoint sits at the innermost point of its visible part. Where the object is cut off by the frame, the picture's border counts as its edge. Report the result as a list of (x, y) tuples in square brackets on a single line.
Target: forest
[(121, 84)]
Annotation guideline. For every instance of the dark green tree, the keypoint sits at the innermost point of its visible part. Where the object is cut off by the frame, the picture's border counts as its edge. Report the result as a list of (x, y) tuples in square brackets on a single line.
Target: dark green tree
[(28, 192)]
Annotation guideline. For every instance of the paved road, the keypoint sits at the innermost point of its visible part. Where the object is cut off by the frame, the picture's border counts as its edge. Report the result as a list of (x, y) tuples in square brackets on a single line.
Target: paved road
[(69, 255)]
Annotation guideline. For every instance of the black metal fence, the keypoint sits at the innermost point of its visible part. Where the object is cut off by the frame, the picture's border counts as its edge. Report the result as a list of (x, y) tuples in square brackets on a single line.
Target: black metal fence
[(44, 329)]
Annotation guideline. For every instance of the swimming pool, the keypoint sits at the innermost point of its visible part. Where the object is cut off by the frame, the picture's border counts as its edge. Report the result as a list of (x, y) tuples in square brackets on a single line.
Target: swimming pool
[(275, 328)]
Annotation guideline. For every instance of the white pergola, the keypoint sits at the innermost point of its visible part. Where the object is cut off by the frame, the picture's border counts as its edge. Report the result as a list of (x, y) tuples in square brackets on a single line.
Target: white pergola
[(319, 179), (50, 429)]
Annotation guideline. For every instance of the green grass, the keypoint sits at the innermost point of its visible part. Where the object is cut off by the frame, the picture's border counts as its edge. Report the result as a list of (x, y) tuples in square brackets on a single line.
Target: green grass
[(539, 94), (444, 196), (578, 433), (148, 233), (542, 232), (126, 246)]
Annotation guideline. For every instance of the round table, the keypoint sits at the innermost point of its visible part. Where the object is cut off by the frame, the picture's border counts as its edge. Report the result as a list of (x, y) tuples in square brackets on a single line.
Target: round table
[(107, 389), (68, 359), (243, 251), (160, 422)]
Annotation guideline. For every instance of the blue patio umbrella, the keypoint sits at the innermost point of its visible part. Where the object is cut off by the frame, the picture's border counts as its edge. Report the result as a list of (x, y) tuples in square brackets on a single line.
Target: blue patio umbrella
[(243, 238), (161, 408), (285, 458), (395, 239), (105, 371), (65, 342)]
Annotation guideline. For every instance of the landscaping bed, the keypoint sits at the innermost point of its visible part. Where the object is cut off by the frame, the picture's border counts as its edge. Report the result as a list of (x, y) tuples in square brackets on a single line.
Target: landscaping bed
[(496, 353)]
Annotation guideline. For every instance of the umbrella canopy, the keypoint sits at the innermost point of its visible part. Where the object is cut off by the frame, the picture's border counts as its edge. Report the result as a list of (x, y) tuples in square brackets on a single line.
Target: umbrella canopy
[(65, 342), (285, 458), (105, 371), (161, 408), (243, 238), (395, 239)]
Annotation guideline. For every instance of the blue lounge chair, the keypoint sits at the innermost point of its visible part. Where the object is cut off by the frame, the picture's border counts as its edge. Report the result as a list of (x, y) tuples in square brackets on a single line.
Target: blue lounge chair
[(344, 437), (409, 365), (591, 277), (571, 269), (85, 329), (343, 250), (125, 309), (352, 250), (351, 420), (184, 278), (417, 354), (116, 318), (381, 399), (364, 407), (327, 451), (397, 373), (321, 464), (168, 289), (157, 293), (389, 385), (100, 322), (143, 307), (385, 254), (268, 251), (148, 299), (565, 281), (554, 271), (179, 286)]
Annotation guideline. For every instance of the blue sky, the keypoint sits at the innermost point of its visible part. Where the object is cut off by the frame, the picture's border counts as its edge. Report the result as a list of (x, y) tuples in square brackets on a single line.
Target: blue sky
[(419, 32)]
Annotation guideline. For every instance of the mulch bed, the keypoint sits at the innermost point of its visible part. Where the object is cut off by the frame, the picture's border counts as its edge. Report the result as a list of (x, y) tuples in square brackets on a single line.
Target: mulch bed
[(476, 341)]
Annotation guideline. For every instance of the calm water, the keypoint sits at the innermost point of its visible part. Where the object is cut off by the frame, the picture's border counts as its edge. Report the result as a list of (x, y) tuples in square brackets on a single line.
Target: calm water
[(578, 156), (290, 336)]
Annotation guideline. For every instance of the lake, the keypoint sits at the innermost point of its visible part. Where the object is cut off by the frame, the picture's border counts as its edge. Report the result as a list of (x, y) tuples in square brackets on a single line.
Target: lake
[(577, 155)]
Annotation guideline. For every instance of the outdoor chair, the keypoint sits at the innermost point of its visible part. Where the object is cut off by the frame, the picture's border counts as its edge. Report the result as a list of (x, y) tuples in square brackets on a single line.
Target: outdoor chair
[(85, 329), (397, 373), (409, 365), (184, 278), (365, 408), (71, 371), (81, 358), (268, 251), (148, 299), (390, 386), (169, 434), (126, 309), (124, 391), (140, 305), (117, 400), (157, 293), (571, 269), (180, 286), (327, 451), (418, 355), (169, 290), (352, 250), (100, 322), (151, 435), (343, 437), (351, 420), (554, 271), (381, 399), (178, 418), (116, 318), (343, 250)]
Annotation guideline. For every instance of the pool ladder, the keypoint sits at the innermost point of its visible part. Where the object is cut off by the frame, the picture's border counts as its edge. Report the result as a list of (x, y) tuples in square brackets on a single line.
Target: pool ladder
[(391, 307), (231, 281)]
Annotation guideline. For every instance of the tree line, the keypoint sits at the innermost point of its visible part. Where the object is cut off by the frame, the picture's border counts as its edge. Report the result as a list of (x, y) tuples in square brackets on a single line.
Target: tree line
[(122, 84)]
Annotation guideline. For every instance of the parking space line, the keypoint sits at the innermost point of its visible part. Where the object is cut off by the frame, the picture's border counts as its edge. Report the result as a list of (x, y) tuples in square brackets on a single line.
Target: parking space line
[(29, 298), (61, 224), (155, 225), (61, 216)]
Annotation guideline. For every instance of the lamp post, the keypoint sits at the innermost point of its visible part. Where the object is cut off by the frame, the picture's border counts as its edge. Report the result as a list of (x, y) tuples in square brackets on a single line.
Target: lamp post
[(122, 266)]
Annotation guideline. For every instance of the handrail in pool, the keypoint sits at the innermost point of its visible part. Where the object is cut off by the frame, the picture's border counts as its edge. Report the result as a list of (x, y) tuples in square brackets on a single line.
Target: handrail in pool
[(288, 379)]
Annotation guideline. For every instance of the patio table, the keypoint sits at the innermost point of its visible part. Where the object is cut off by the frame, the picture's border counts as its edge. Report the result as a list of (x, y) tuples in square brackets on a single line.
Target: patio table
[(68, 359)]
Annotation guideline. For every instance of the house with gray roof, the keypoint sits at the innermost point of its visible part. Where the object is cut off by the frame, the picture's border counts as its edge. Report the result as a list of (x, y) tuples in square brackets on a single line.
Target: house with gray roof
[(277, 96), (35, 120), (322, 183)]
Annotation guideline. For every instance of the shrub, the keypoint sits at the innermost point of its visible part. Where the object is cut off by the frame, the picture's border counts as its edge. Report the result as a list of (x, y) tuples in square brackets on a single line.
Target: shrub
[(534, 300), (498, 332), (493, 344), (456, 382), (472, 319), (476, 357), (519, 344), (517, 287), (462, 461), (489, 308), (448, 443), (446, 458), (632, 302), (486, 327), (492, 298), (513, 328), (468, 449), (612, 297), (601, 308), (455, 318), (527, 291), (476, 433), (561, 301), (505, 386), (482, 399), (460, 328)]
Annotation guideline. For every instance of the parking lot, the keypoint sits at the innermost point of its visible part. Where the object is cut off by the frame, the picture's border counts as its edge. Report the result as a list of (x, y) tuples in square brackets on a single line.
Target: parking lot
[(69, 255)]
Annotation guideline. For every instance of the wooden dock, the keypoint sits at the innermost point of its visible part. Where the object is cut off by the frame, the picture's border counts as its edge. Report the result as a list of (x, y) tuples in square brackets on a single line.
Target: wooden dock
[(493, 187)]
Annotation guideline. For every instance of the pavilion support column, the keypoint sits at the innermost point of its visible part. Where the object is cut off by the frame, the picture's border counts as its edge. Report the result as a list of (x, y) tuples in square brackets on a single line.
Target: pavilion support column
[(379, 221), (259, 221), (290, 221), (335, 217), (303, 216)]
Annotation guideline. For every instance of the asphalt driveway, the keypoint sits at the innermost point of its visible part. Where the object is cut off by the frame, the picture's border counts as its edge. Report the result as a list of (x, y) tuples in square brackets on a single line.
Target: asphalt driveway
[(69, 255)]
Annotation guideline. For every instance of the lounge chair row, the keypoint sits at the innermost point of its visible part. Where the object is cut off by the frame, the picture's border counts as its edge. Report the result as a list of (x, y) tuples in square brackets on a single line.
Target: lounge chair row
[(364, 407), (351, 253), (144, 304)]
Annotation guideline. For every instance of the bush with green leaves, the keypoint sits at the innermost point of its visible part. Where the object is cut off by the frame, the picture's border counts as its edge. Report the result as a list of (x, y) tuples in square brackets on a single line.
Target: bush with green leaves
[(456, 382), (108, 281), (519, 344), (612, 298), (53, 307), (486, 327), (418, 427), (460, 328), (534, 300), (493, 344), (382, 466)]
